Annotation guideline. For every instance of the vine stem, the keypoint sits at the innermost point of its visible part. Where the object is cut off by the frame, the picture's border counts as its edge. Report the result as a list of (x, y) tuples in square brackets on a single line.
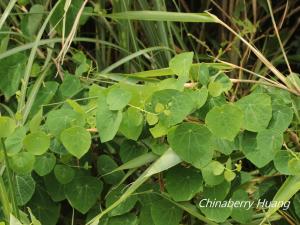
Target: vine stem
[(10, 182), (4, 199)]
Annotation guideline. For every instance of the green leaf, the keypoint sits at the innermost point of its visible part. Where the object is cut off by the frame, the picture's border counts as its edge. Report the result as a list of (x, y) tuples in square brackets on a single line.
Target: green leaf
[(282, 118), (77, 141), (217, 192), (34, 124), (268, 144), (11, 72), (126, 219), (37, 143), (192, 143), (219, 83), (30, 23), (225, 121), (158, 147), (203, 74), (105, 165), (281, 160), (152, 119), (181, 64), (14, 142), (64, 174), (218, 214), (57, 147), (145, 215), (56, 18), (165, 213), (59, 120), (23, 2), (242, 215), (125, 206), (158, 130), (82, 192), (218, 168), (44, 96), (296, 204), (107, 121), (215, 89), (25, 187), (209, 176), (183, 183), (224, 146), (177, 106), (130, 150), (70, 86), (229, 175), (279, 96), (257, 111), (199, 96), (118, 98), (7, 126), (46, 211), (132, 123), (22, 162), (294, 166), (55, 189), (44, 164)]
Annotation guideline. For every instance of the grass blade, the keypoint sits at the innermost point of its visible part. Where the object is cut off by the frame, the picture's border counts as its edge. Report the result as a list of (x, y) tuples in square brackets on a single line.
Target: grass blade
[(163, 16), (57, 40), (6, 12), (30, 63), (288, 189), (132, 56)]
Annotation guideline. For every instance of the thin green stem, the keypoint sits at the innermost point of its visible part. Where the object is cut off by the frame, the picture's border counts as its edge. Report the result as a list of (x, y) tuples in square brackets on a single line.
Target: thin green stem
[(6, 208), (30, 63), (6, 12), (10, 182), (56, 40)]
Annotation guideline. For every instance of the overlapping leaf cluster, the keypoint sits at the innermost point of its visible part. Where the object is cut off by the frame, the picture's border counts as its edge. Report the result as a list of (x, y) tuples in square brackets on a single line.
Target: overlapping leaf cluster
[(205, 130)]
